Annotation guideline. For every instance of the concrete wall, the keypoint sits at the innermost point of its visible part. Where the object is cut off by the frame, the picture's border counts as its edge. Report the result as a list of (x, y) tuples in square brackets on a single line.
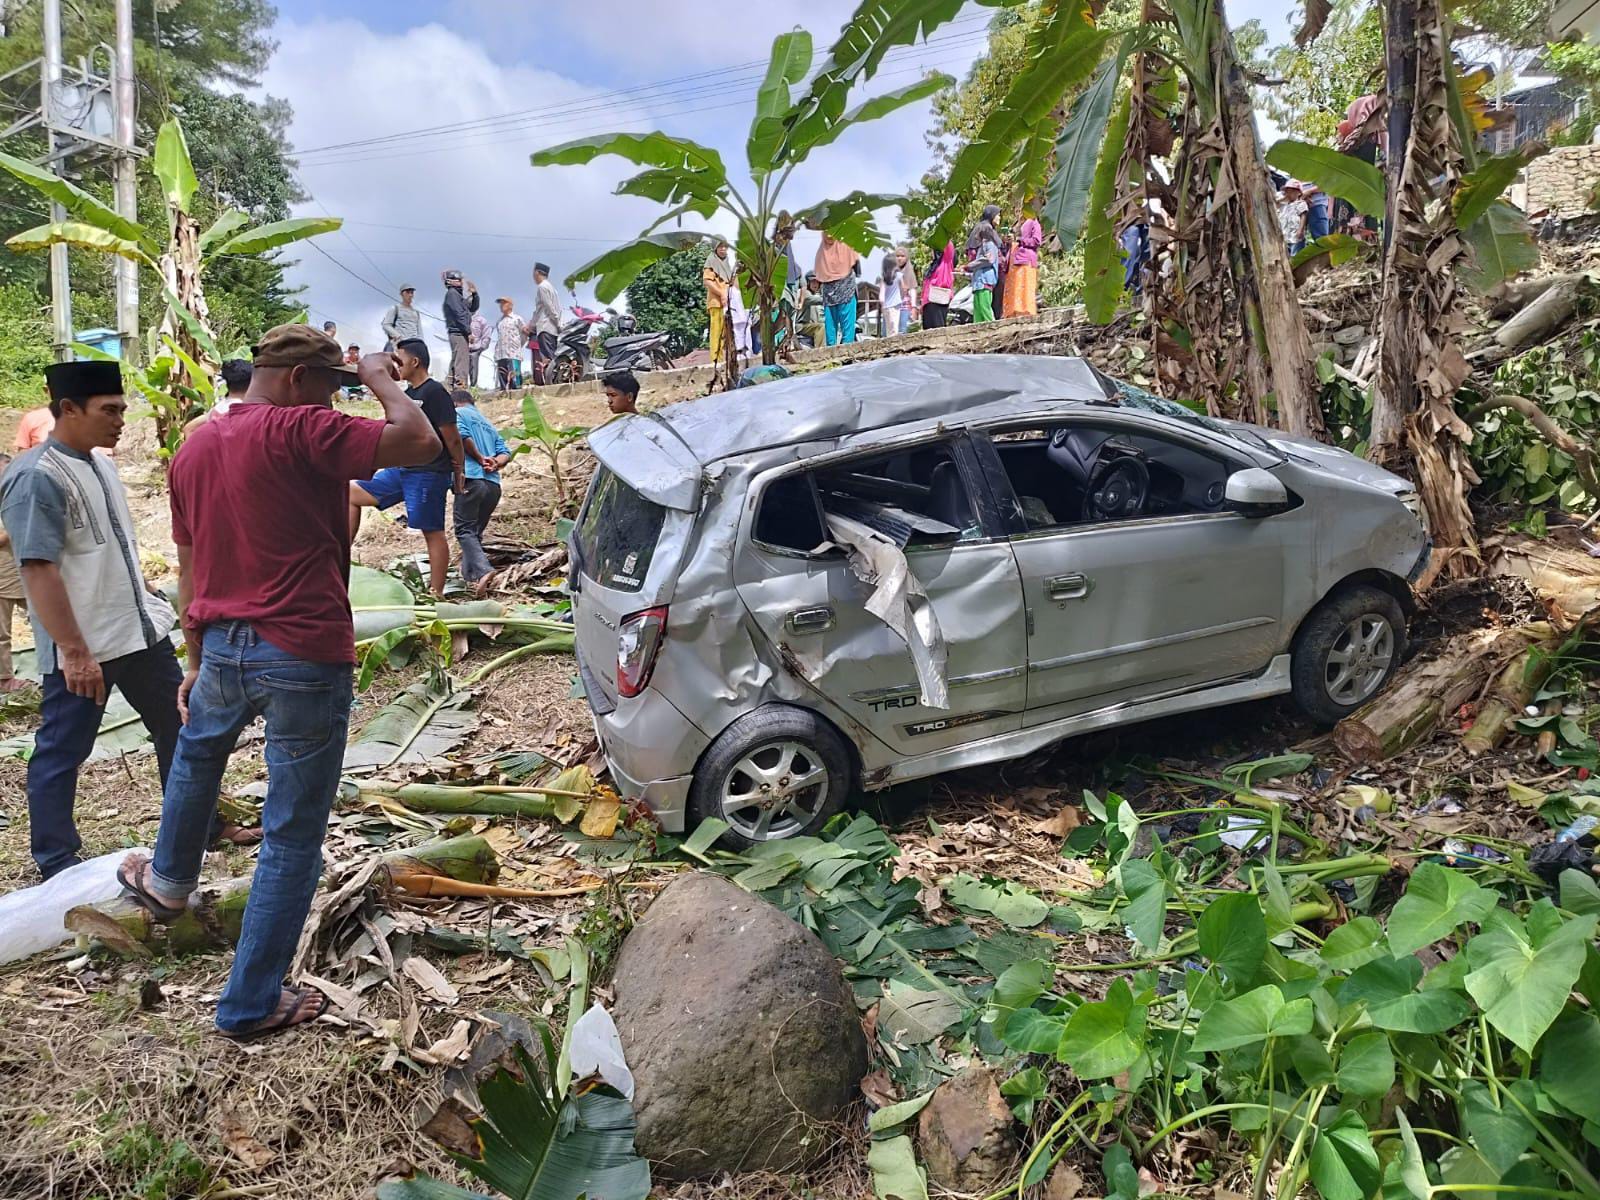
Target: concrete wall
[(1563, 179)]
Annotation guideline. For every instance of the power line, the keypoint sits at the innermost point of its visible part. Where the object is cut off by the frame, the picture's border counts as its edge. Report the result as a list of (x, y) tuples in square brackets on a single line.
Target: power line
[(620, 126), (364, 280), (726, 77)]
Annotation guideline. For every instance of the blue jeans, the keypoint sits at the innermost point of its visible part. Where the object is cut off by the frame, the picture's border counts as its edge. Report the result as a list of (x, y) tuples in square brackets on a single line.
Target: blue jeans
[(307, 709), (1317, 224), (148, 680), (839, 322)]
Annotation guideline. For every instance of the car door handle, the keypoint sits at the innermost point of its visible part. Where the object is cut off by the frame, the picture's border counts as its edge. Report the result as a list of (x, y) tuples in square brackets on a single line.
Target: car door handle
[(810, 620), (1068, 587)]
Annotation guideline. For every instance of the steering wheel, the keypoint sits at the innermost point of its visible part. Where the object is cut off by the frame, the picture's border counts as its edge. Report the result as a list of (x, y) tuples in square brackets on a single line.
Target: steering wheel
[(1119, 484)]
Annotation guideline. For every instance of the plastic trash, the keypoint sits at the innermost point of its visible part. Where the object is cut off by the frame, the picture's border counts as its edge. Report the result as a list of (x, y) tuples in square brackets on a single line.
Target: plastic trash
[(1243, 833), (597, 1050), (30, 918), (1571, 851)]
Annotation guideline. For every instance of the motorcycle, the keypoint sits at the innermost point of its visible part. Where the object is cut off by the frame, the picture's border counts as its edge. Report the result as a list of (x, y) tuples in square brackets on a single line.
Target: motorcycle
[(629, 350), (960, 310), (571, 362)]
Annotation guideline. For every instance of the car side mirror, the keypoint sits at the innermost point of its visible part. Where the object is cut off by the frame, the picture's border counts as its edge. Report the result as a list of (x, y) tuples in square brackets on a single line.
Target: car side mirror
[(1256, 492)]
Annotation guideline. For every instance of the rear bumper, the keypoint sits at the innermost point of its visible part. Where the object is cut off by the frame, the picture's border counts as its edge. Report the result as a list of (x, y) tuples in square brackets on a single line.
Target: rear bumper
[(651, 748)]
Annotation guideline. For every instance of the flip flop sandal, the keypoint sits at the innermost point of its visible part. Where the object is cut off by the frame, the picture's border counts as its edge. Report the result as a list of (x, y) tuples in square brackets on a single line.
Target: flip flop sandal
[(159, 910), (238, 835), (298, 1014)]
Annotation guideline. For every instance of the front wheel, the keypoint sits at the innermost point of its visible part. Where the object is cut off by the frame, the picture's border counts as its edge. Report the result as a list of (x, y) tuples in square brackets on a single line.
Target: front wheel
[(958, 318), (660, 360), (1347, 649), (774, 773), (566, 371)]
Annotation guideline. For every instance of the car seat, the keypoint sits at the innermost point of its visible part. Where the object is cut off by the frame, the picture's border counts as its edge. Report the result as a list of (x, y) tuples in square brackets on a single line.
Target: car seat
[(947, 497)]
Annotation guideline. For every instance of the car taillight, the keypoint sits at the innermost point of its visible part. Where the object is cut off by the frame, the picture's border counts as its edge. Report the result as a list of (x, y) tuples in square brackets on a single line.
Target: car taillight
[(639, 638)]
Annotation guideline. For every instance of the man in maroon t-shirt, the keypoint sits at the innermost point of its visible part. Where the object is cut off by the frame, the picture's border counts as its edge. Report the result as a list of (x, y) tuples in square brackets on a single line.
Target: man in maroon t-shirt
[(258, 515)]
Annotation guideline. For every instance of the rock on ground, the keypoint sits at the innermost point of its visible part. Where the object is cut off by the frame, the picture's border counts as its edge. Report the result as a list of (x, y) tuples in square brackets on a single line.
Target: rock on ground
[(741, 1034), (965, 1133)]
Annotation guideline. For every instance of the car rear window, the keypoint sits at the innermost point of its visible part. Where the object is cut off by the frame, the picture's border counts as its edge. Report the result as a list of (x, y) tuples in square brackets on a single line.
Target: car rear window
[(617, 534)]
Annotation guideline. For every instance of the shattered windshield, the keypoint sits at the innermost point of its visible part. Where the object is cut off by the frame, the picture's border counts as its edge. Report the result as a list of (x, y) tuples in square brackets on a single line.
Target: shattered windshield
[(617, 533), (1137, 397)]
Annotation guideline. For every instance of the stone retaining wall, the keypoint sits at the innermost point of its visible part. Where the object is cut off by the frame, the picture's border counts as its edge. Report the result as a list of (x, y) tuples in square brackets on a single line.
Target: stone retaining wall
[(1563, 179)]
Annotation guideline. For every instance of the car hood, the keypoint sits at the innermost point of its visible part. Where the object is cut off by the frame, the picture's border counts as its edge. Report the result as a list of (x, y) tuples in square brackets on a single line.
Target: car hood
[(1330, 459)]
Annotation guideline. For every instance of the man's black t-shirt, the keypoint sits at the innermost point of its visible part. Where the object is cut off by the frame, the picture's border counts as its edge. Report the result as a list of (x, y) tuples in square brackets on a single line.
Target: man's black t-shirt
[(440, 411)]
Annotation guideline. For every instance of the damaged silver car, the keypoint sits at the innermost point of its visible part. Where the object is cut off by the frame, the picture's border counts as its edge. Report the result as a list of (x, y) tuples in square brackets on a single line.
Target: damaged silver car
[(870, 575)]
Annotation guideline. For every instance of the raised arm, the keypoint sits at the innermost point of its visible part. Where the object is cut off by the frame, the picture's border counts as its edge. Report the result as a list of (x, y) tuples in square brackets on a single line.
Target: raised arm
[(408, 439)]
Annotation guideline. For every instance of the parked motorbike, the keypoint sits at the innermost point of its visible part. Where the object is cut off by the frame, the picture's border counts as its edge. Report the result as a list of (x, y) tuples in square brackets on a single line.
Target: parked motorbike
[(571, 362), (960, 310), (630, 350)]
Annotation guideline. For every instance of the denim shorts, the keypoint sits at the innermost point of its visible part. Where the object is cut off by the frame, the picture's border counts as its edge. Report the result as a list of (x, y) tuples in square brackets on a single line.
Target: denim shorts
[(423, 491)]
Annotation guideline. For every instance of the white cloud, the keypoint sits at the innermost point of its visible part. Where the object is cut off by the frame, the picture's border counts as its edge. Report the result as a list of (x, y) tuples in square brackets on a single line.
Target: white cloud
[(470, 200)]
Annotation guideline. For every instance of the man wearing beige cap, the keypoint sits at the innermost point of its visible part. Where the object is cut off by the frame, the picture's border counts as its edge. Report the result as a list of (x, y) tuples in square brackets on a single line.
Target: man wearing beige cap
[(258, 516)]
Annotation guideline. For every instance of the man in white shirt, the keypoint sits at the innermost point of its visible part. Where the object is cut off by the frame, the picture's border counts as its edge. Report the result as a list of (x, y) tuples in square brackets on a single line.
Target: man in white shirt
[(402, 322), (546, 321), (97, 624)]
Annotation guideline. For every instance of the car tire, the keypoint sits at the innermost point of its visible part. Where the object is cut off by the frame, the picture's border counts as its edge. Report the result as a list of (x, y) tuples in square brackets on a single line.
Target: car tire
[(1345, 652), (765, 748)]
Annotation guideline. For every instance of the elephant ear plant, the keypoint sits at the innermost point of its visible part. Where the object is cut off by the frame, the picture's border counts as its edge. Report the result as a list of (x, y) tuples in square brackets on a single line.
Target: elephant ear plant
[(789, 122), (181, 356)]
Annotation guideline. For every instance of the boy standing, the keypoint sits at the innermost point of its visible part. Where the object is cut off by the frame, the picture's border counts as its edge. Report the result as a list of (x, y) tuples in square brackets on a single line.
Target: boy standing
[(486, 453)]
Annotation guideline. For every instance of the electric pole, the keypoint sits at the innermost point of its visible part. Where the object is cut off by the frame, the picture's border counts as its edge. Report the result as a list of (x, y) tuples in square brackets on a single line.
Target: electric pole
[(123, 176), (49, 85)]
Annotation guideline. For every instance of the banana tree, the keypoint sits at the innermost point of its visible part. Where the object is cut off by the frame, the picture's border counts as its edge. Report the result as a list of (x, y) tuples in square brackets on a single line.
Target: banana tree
[(786, 127), (182, 355)]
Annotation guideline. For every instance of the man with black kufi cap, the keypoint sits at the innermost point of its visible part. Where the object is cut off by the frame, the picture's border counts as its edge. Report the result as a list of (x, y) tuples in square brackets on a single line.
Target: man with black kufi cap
[(97, 624), (546, 321)]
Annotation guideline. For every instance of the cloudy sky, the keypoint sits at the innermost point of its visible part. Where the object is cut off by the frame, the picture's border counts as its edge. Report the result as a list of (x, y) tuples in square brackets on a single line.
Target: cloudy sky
[(416, 129)]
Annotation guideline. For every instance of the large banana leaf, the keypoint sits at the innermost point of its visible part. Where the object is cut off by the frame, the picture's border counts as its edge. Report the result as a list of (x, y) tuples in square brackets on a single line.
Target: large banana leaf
[(882, 106), (1502, 246), (1340, 175), (224, 227), (691, 191), (1063, 50), (174, 167), (647, 149), (617, 268), (277, 233), (76, 233), (78, 202), (422, 723), (535, 1145), (875, 28), (379, 602), (1077, 150), (1102, 253), (1488, 181), (849, 218), (791, 59)]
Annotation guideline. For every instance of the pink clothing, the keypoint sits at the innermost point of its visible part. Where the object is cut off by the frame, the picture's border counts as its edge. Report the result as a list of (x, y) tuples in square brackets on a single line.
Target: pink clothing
[(35, 428), (1030, 236), (943, 275)]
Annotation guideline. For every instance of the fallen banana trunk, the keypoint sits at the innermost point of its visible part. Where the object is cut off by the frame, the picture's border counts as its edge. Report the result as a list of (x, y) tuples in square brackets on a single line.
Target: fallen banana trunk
[(1512, 691), (216, 912), (563, 799), (1423, 693)]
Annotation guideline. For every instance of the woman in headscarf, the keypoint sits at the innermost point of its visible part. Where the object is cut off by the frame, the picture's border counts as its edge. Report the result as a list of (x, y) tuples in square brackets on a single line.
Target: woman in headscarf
[(837, 275), (1022, 280), (938, 286), (889, 296), (983, 258), (739, 316), (908, 285), (717, 275)]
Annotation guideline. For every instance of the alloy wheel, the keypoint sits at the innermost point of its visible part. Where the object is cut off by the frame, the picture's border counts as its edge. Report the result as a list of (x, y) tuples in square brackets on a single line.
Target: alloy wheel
[(1359, 660), (774, 791)]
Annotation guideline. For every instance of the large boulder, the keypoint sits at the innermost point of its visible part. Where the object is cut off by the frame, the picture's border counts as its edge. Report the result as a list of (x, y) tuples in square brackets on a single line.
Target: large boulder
[(966, 1133), (741, 1034)]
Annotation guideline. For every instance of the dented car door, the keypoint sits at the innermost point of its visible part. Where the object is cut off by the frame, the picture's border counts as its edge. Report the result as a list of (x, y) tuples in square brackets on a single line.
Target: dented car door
[(812, 607)]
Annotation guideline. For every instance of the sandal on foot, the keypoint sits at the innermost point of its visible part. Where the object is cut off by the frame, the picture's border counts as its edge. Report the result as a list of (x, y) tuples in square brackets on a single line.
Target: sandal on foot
[(304, 1005), (237, 835), (130, 875)]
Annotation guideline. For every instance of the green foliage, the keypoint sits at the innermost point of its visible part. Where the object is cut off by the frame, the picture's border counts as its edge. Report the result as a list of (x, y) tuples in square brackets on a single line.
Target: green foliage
[(535, 1144), (1514, 461), (154, 1168), (1320, 82), (1340, 175), (24, 346), (668, 297), (537, 434)]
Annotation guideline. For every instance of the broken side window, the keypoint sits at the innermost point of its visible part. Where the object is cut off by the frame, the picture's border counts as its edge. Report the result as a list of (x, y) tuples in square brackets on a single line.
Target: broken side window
[(914, 497), (617, 533)]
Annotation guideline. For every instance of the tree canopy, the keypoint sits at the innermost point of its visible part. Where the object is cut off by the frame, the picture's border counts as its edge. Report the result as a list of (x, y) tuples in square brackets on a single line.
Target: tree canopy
[(668, 297)]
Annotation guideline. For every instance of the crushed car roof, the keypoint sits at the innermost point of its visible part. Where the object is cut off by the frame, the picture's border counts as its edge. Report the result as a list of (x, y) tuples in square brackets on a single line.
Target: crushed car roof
[(869, 395)]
